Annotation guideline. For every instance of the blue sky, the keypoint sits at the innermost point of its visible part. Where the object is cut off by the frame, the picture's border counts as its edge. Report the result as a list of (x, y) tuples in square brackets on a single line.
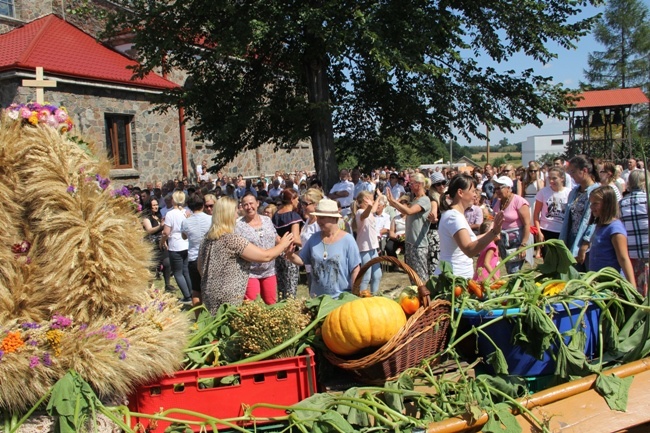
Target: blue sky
[(567, 68)]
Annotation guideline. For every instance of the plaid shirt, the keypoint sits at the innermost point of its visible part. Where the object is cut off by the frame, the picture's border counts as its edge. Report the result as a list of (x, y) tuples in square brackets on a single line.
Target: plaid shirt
[(634, 214)]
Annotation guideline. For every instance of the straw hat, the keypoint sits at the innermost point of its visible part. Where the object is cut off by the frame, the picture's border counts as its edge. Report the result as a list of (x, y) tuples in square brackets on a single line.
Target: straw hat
[(327, 208)]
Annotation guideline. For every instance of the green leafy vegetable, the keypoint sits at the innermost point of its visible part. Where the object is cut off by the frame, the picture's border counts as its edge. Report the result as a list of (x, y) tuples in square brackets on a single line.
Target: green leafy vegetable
[(614, 390)]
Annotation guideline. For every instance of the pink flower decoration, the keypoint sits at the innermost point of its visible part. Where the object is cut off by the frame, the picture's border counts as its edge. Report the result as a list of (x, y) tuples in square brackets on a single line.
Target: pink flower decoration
[(25, 112), (51, 121), (61, 115)]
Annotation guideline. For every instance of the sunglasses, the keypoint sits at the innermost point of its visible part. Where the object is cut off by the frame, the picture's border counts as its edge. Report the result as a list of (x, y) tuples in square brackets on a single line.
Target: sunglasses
[(440, 184), (306, 203), (209, 206), (533, 171)]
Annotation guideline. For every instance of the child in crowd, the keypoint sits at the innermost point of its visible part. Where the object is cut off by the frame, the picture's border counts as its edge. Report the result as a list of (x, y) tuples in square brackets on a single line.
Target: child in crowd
[(488, 259), (609, 241)]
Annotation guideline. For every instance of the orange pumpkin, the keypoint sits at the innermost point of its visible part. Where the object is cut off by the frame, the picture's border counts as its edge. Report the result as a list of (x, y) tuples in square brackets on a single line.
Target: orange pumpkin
[(363, 323)]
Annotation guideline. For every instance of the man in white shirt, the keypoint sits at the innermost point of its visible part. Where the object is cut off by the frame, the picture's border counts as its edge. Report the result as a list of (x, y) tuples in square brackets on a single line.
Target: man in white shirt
[(168, 205), (343, 192), (631, 166), (359, 184), (395, 188), (276, 190)]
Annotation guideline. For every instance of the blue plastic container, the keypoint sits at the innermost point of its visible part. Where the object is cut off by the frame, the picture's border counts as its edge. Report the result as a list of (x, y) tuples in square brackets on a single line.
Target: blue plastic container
[(519, 362)]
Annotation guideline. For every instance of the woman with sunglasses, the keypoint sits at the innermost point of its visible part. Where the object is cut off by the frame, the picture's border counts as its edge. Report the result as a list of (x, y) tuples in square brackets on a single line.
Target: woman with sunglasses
[(532, 183), (437, 190), (516, 224), (308, 203)]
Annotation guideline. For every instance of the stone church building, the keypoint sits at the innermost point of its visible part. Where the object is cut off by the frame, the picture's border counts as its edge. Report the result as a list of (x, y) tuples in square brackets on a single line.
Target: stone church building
[(109, 108)]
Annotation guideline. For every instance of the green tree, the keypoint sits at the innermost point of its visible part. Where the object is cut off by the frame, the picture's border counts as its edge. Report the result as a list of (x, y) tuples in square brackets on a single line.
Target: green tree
[(624, 31), (498, 161), (268, 70)]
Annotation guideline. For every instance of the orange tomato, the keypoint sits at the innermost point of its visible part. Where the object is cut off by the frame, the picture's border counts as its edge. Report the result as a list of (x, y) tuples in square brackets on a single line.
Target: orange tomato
[(458, 291), (475, 288), (409, 304)]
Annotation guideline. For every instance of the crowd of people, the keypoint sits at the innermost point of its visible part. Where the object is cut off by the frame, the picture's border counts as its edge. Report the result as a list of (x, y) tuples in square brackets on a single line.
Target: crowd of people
[(225, 239)]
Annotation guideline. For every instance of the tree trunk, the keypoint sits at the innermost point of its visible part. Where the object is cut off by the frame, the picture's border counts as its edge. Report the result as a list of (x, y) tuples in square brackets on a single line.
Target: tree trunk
[(321, 129)]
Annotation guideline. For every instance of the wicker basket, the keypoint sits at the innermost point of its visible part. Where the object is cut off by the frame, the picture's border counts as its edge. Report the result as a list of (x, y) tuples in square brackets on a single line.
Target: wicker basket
[(425, 334)]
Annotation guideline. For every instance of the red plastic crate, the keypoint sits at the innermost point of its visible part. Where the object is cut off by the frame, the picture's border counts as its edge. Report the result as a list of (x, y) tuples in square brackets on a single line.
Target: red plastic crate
[(283, 381)]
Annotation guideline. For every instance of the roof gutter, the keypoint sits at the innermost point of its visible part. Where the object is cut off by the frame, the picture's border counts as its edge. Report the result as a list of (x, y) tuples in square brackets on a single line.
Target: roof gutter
[(16, 74)]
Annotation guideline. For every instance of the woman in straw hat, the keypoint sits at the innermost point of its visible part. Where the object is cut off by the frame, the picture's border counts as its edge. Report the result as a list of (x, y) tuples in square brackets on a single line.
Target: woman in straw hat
[(224, 258), (332, 253)]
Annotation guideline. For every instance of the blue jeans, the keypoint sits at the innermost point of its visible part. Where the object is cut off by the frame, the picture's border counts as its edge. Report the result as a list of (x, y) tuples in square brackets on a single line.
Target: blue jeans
[(180, 269), (372, 275)]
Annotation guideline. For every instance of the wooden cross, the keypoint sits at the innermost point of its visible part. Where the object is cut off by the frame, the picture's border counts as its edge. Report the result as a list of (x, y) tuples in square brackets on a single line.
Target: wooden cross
[(39, 83)]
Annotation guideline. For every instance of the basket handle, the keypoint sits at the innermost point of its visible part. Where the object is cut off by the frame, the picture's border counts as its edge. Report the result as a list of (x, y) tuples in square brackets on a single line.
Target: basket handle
[(415, 279)]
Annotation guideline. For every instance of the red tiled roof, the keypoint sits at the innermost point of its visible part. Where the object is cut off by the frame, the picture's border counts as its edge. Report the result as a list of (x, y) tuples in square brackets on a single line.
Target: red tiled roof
[(63, 49), (610, 98)]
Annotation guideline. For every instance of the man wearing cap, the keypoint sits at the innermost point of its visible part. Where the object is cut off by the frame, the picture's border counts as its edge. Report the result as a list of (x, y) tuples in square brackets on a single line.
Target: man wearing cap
[(332, 253), (343, 192)]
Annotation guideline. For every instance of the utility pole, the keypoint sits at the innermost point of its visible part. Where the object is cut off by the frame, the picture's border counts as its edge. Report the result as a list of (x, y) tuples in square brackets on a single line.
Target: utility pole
[(487, 134), (451, 153)]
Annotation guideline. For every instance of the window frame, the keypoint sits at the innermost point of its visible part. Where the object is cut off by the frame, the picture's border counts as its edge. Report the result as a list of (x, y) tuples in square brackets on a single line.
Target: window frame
[(10, 5), (112, 124)]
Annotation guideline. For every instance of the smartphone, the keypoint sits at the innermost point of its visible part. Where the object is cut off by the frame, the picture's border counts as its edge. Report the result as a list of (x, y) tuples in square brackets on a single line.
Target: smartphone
[(376, 194)]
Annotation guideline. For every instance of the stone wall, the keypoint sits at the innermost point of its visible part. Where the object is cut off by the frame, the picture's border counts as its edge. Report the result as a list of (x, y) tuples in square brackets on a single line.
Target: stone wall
[(156, 148)]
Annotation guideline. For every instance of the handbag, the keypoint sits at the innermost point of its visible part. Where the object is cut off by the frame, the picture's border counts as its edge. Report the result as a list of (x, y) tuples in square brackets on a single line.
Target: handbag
[(510, 242)]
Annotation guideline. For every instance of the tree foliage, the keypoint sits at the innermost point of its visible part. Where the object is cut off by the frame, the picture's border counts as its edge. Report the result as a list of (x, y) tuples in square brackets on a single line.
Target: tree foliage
[(624, 31), (268, 70)]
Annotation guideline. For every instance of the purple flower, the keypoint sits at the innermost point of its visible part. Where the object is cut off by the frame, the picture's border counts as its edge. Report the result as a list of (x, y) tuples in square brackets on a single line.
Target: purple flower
[(30, 325), (83, 326), (2, 352), (71, 189), (109, 328), (121, 348), (103, 181), (34, 361), (122, 192), (32, 342), (59, 322), (47, 359)]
